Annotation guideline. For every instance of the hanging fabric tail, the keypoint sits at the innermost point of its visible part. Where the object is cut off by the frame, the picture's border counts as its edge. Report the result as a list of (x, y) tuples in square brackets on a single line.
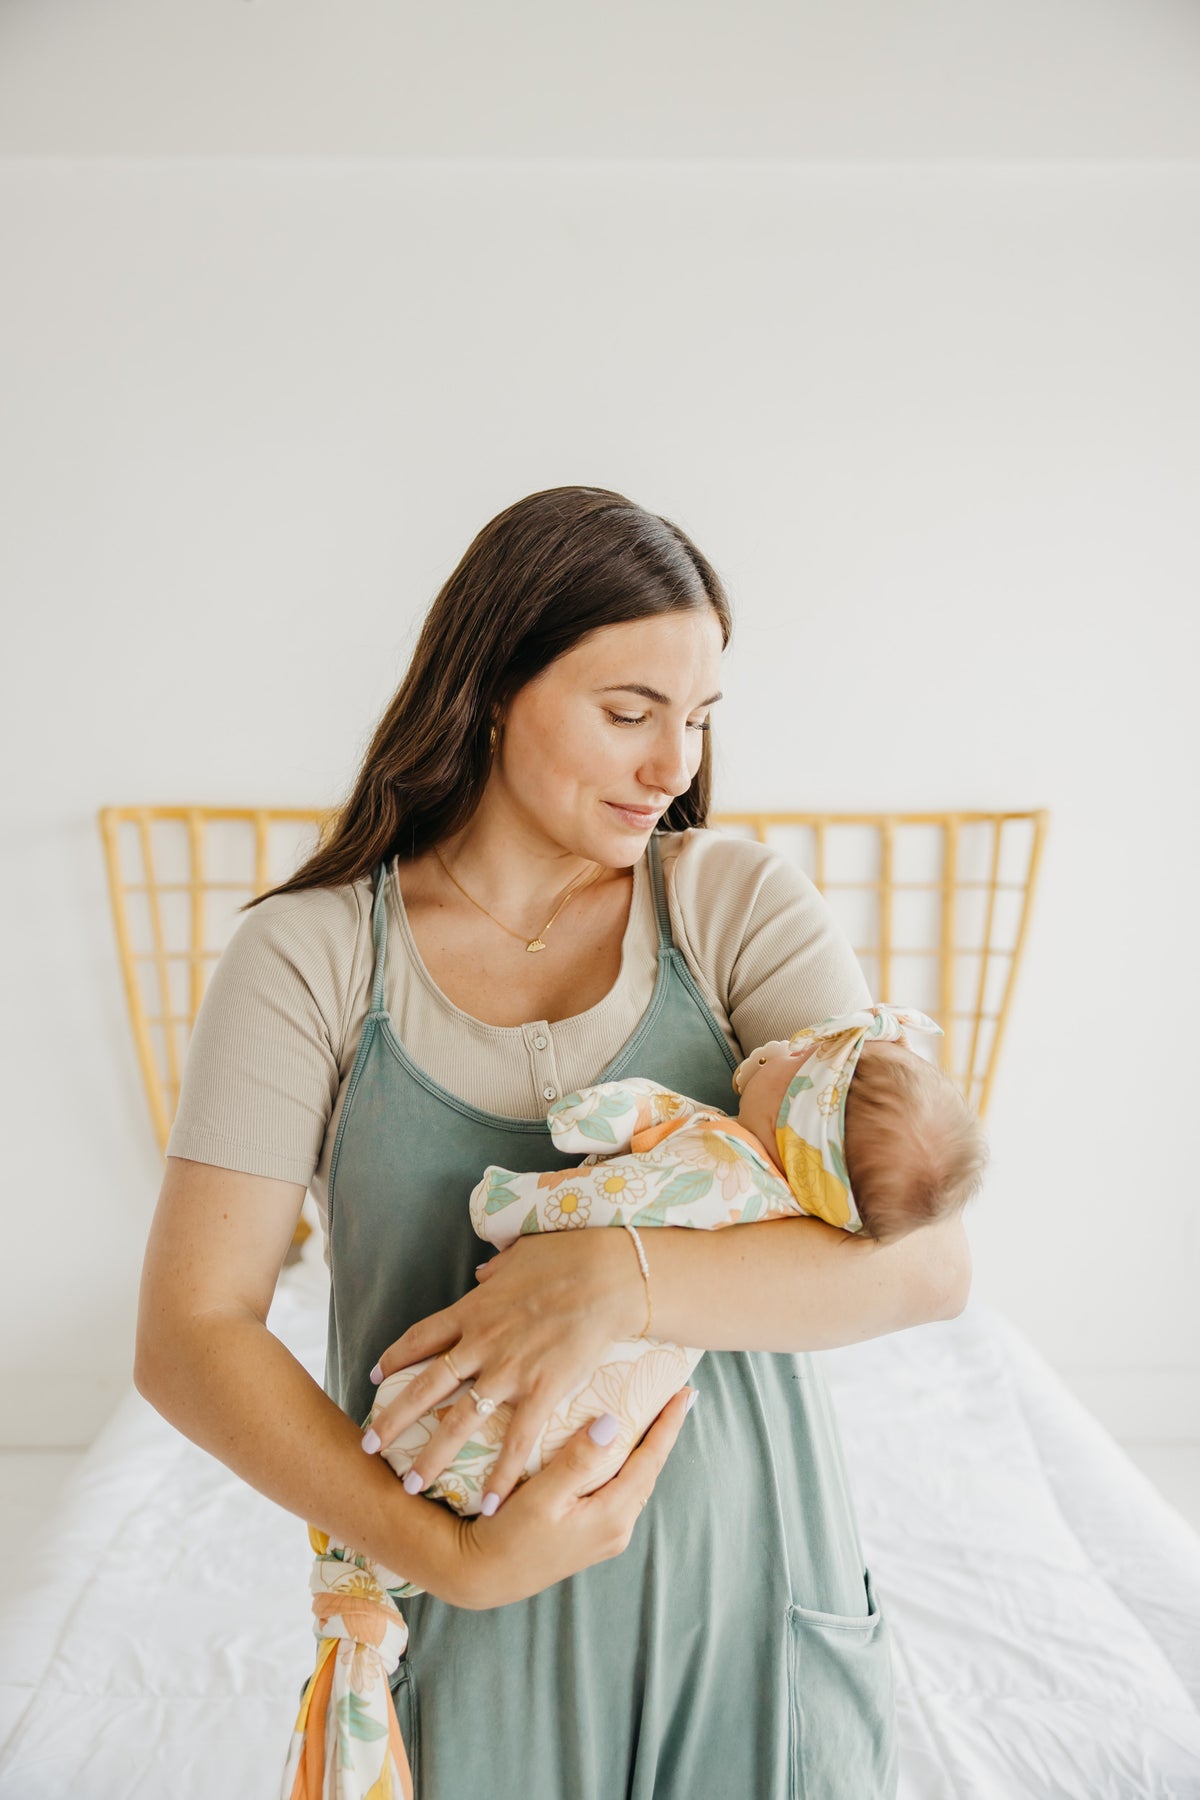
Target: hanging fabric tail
[(346, 1743)]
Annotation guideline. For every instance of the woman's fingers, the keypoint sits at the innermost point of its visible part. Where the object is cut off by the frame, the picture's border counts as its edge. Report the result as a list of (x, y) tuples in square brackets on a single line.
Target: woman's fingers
[(528, 1420), (401, 1402), (549, 1530), (579, 1469), (440, 1331), (623, 1498), (459, 1423)]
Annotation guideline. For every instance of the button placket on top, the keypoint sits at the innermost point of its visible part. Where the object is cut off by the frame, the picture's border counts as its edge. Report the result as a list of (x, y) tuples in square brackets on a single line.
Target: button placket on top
[(543, 1066)]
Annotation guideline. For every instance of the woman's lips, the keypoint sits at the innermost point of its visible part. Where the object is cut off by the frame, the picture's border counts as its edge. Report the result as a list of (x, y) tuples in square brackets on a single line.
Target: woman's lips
[(636, 817)]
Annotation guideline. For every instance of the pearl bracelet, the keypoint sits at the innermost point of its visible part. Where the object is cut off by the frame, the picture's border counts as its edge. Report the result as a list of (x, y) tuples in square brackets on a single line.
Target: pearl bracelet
[(644, 1266)]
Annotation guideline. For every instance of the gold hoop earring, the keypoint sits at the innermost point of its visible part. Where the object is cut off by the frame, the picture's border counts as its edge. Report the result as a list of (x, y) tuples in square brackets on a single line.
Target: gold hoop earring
[(492, 740)]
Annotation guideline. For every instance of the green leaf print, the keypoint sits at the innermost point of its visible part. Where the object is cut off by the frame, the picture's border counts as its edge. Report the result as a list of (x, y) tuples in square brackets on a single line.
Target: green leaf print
[(597, 1128), (681, 1190), (594, 1122), (755, 1158), (529, 1223), (354, 1721), (839, 1162), (500, 1194)]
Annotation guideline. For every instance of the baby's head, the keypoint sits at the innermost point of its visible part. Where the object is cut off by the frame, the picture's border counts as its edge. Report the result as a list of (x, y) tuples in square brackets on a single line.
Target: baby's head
[(870, 1136)]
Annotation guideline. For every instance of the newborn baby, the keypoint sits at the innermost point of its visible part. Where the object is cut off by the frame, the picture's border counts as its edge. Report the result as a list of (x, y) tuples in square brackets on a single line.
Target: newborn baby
[(842, 1123)]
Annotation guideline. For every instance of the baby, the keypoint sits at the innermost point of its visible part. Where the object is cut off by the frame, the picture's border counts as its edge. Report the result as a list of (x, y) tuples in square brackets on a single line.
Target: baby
[(843, 1122)]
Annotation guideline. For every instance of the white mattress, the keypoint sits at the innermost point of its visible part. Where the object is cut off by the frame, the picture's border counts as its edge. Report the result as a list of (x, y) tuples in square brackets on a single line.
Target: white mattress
[(1044, 1601)]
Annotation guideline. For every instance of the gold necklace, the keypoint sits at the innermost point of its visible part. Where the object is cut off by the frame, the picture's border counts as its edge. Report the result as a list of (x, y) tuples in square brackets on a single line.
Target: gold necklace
[(536, 943)]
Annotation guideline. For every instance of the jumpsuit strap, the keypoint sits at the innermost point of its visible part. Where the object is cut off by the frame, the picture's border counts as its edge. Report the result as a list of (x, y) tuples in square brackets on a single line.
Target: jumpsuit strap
[(379, 932), (658, 884)]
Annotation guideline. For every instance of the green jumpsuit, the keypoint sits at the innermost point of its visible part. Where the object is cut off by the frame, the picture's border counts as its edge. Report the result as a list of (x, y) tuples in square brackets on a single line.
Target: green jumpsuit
[(736, 1649)]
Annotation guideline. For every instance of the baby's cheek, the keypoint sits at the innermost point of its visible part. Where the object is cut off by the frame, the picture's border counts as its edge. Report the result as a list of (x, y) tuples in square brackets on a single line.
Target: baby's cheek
[(777, 1047)]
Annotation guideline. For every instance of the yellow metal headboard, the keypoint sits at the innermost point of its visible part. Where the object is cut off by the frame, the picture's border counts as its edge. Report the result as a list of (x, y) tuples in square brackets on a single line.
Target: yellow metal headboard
[(936, 906), (176, 877)]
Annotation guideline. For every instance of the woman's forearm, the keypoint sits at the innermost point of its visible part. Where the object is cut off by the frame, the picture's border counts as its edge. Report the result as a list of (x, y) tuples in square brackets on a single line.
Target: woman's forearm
[(793, 1284), (231, 1386)]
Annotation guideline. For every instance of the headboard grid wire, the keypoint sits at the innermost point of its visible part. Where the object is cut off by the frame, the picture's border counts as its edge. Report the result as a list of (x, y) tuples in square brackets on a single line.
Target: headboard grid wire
[(936, 905), (938, 902)]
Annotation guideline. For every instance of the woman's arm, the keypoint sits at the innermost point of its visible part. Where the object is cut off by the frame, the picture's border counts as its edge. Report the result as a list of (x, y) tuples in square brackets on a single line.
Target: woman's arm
[(791, 1284), (779, 1284), (206, 1360)]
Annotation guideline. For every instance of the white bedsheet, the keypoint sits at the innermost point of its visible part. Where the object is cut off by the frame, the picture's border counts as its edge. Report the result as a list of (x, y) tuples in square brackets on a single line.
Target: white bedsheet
[(1044, 1600)]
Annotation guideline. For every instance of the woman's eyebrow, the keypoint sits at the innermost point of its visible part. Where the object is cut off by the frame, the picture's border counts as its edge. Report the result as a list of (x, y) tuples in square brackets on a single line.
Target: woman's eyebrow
[(649, 693)]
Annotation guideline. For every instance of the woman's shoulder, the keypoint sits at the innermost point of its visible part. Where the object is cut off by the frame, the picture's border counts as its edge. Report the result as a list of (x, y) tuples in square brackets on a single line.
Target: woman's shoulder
[(320, 923), (703, 861), (758, 933), (312, 911), (269, 1042), (303, 953)]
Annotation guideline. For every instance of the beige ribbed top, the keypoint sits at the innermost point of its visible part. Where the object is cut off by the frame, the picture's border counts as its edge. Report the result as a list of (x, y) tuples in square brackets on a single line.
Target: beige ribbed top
[(276, 1035)]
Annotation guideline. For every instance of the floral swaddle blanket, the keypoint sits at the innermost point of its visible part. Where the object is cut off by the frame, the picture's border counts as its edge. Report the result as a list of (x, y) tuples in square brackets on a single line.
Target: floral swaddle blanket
[(652, 1157)]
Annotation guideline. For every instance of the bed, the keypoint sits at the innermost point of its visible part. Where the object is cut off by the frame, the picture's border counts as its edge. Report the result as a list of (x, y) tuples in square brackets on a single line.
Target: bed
[(1043, 1599)]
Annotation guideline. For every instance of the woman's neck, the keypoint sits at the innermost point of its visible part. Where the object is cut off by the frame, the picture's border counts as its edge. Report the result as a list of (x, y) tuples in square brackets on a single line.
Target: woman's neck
[(514, 869)]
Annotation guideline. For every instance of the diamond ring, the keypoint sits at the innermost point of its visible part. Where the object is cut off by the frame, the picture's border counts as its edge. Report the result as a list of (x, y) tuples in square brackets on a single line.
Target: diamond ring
[(482, 1404)]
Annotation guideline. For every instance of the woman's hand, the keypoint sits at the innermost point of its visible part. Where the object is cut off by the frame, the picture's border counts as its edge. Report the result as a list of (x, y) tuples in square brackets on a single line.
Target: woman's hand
[(555, 1524), (542, 1320)]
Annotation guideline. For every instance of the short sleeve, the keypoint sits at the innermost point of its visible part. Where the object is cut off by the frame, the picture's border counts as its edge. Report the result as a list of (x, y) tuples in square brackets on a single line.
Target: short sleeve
[(760, 937), (263, 1065)]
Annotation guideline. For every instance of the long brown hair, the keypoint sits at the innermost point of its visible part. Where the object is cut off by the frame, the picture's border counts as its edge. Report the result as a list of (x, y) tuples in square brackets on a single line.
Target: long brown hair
[(539, 577)]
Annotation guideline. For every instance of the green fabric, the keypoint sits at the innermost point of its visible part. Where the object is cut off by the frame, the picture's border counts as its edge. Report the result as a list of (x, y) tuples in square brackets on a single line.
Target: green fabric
[(736, 1647)]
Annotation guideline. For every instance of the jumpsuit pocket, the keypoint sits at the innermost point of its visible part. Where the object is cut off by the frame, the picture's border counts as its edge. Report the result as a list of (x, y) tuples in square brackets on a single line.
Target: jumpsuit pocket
[(842, 1723), (404, 1697)]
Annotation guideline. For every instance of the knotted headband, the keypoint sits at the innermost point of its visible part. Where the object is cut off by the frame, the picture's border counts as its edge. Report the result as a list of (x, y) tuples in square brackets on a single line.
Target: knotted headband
[(811, 1128)]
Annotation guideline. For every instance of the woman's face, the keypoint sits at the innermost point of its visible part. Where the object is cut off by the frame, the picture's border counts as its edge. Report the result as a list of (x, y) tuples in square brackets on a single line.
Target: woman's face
[(595, 749)]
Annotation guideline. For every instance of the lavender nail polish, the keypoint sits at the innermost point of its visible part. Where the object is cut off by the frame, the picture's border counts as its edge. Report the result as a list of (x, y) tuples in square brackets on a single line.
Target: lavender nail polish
[(490, 1503), (376, 1375), (371, 1441), (691, 1401), (603, 1430), (413, 1482)]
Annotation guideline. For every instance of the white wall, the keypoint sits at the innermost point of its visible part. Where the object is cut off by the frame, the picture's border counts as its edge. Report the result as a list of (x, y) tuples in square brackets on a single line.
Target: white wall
[(936, 426)]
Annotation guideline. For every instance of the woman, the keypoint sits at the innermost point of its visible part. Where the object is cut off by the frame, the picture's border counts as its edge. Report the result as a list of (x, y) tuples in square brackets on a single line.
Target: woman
[(520, 898)]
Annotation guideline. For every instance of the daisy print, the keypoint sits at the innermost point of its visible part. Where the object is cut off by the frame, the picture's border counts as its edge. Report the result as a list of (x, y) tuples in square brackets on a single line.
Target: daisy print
[(617, 1186), (566, 1207)]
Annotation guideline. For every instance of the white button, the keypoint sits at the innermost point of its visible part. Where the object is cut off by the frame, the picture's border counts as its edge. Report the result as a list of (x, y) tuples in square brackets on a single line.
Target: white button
[(549, 1093), (539, 1042)]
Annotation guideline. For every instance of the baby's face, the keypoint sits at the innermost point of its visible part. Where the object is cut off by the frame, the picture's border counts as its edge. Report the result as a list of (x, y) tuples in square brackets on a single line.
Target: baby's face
[(763, 1079)]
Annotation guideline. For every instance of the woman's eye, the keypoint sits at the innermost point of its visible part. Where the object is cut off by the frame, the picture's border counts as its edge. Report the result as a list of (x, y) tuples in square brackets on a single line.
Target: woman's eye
[(628, 719)]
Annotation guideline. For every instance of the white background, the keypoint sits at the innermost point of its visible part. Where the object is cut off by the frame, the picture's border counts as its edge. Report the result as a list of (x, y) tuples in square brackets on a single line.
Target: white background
[(901, 327)]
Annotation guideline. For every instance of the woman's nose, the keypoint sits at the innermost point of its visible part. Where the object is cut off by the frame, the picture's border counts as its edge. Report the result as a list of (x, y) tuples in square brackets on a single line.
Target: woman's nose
[(668, 767)]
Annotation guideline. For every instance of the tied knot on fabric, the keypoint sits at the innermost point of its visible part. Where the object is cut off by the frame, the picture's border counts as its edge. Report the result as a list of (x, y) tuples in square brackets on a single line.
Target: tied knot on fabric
[(346, 1741)]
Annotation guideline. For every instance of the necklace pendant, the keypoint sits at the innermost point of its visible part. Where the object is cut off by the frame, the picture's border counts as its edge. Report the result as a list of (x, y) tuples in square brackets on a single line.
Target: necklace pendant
[(536, 944)]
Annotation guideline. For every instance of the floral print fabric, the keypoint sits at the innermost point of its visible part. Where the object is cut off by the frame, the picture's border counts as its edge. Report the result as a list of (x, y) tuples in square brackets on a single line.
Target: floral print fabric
[(810, 1131)]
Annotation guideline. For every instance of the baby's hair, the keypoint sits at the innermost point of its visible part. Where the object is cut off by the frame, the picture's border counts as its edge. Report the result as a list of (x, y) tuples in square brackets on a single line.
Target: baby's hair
[(915, 1151)]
